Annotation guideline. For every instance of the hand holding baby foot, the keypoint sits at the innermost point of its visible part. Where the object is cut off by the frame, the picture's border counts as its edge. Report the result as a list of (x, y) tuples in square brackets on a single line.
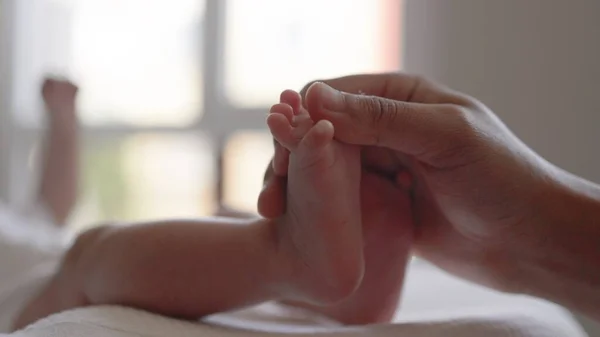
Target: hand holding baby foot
[(321, 227), (387, 241)]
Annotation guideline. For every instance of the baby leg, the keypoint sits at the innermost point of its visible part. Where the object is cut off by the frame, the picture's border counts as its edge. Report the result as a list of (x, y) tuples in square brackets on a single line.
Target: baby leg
[(184, 269), (190, 269)]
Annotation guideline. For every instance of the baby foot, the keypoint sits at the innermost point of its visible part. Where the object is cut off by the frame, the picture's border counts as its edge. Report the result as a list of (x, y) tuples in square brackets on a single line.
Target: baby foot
[(321, 228), (386, 250), (387, 234), (386, 240)]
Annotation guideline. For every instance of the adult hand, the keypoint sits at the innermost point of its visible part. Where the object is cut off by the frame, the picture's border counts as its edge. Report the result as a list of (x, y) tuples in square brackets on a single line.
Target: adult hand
[(487, 208)]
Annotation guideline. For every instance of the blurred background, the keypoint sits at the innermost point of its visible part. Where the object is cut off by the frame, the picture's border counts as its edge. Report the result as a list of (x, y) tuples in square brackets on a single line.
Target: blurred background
[(174, 92)]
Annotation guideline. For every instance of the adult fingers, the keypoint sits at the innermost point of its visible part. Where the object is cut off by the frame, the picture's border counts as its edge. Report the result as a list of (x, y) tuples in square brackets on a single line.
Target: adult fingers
[(416, 129)]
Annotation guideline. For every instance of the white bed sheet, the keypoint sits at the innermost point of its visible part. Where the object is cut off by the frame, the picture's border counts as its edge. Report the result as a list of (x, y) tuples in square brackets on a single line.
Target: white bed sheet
[(434, 304)]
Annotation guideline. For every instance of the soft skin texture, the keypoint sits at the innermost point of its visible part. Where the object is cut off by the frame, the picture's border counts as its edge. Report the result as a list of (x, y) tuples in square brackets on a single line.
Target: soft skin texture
[(60, 167), (488, 208), (386, 242)]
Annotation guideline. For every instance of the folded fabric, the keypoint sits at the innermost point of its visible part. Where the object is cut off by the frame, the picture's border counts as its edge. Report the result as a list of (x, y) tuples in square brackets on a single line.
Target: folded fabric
[(124, 322), (30, 250)]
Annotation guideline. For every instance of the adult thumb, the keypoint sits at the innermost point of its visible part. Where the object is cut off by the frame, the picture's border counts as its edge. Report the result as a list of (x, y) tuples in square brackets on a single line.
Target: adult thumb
[(416, 129)]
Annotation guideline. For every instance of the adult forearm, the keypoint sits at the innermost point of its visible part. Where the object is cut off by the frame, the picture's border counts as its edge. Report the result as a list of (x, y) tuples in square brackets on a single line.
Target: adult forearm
[(562, 262)]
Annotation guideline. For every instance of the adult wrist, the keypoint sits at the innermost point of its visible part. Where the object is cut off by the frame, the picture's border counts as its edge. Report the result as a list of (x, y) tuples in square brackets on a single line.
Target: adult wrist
[(558, 260)]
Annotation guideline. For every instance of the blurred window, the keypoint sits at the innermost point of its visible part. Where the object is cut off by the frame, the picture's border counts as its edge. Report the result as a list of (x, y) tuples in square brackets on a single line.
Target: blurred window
[(174, 92)]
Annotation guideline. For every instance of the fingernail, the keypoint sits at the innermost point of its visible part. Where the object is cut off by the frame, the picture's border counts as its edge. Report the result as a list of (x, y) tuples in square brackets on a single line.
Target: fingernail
[(332, 98)]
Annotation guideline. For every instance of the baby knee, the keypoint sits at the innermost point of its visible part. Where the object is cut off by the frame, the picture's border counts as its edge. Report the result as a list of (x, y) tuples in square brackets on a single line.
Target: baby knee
[(83, 241)]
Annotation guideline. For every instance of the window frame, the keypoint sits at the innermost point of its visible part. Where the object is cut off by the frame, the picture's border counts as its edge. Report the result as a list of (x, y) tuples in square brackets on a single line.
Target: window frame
[(220, 119), (6, 123)]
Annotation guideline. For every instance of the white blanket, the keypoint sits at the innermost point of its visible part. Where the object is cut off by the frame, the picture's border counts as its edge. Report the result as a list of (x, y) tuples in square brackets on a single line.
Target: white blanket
[(123, 322), (434, 304)]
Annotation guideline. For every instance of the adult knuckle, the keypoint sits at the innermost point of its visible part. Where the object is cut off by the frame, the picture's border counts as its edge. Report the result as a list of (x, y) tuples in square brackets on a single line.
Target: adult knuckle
[(465, 130), (305, 88), (467, 102), (376, 111), (379, 114), (460, 117)]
